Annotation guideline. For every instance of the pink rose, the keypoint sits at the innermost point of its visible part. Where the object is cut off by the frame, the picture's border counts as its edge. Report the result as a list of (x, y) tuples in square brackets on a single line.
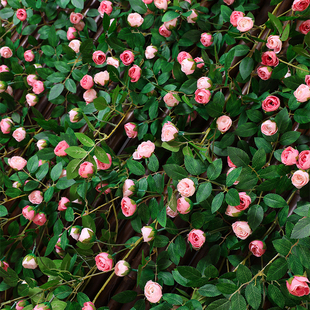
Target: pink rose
[(170, 100), (144, 150), (229, 171), (4, 68), (37, 87), (271, 103), (86, 169), (99, 187), (21, 304), (19, 134), (102, 78), (257, 247), (71, 33), (75, 232), (6, 125), (29, 56), (128, 206), (163, 31), (86, 235), (297, 286), (234, 17), (244, 24), (89, 95), (300, 5), (31, 78), (302, 93), (41, 144), (150, 52), (104, 261), (270, 59), (16, 184), (131, 130), (17, 162), (148, 233), (63, 203), (171, 24), (304, 28), (122, 268), (206, 39), (196, 238), (269, 128), (88, 306), (30, 261), (202, 96), (170, 212), (223, 123), (161, 4), (199, 62), (87, 82), (182, 56), (29, 212), (241, 229), (129, 188), (4, 3), (188, 66), (152, 291), (6, 52), (80, 26), (264, 72), (75, 115), (186, 187), (184, 205), (127, 57), (101, 165), (304, 160), (274, 43), (245, 201), (112, 61), (169, 132), (229, 2), (307, 80), (99, 58), (134, 73), (75, 45), (31, 99), (231, 210), (135, 20), (105, 8), (21, 14), (9, 91), (63, 173), (60, 148), (289, 156), (44, 306), (288, 74), (40, 219), (36, 197), (191, 19), (147, 1), (75, 18)]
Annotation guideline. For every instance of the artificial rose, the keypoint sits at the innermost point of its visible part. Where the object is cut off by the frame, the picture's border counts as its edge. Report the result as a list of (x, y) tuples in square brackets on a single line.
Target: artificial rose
[(101, 165), (184, 205), (71, 33), (245, 24), (289, 156), (31, 99), (229, 171), (186, 187), (104, 261), (302, 93), (274, 43), (199, 62), (86, 170), (270, 59), (231, 210), (202, 96), (102, 78), (161, 4), (99, 58), (80, 26), (36, 197), (75, 18), (60, 148), (40, 219), (271, 103), (31, 78), (304, 28), (75, 115), (112, 61), (4, 3), (21, 304), (182, 56), (170, 100), (297, 286), (206, 39), (43, 306), (99, 187), (191, 19), (245, 201), (122, 268), (63, 204), (134, 73), (169, 132), (21, 14), (89, 95), (307, 80), (257, 247), (127, 57), (241, 229), (29, 56), (87, 82), (148, 233), (223, 123), (153, 291), (229, 2), (6, 52), (63, 173), (303, 160), (269, 128), (264, 72), (6, 125), (129, 188), (300, 5), (128, 206), (75, 232), (170, 212), (188, 66), (30, 261), (135, 20), (3, 86), (147, 1), (87, 235), (4, 68), (131, 130), (163, 31), (4, 265), (144, 150), (150, 52), (88, 306), (16, 184), (9, 91), (235, 16), (29, 212), (171, 24), (105, 8), (17, 162), (37, 87), (196, 238), (204, 83), (75, 45), (300, 179), (19, 134)]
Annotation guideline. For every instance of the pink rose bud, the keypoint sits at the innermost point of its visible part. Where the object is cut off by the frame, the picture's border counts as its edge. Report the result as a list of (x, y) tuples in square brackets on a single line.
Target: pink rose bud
[(206, 39), (63, 204), (29, 56), (31, 99), (88, 306), (37, 66), (71, 33), (150, 52), (186, 187), (300, 5), (269, 128), (21, 304), (245, 201), (105, 8), (99, 58), (75, 45), (128, 206), (127, 57), (129, 188), (289, 156), (134, 73), (36, 197), (297, 286), (86, 170), (40, 219), (188, 66), (148, 233), (182, 56), (9, 91), (264, 72), (135, 20), (307, 78), (131, 130), (257, 247), (87, 236), (112, 61), (6, 52), (229, 171), (300, 179), (304, 28), (63, 173), (196, 238), (90, 95), (231, 210), (17, 184), (153, 291), (17, 162), (163, 31), (199, 62), (161, 4), (4, 68), (80, 26), (271, 103), (29, 212), (170, 100), (169, 132), (60, 148), (6, 125), (75, 115), (3, 86), (30, 261), (184, 205), (122, 268), (229, 2), (4, 265), (21, 14), (144, 150), (75, 18), (104, 261), (4, 3), (245, 24), (304, 160), (302, 93), (235, 16), (31, 78), (241, 229), (147, 1), (19, 134), (87, 82), (171, 24), (37, 87), (43, 306), (274, 43), (41, 144), (223, 123), (170, 212), (75, 232), (288, 74), (101, 165), (202, 96), (102, 78), (192, 18), (270, 59), (100, 186)]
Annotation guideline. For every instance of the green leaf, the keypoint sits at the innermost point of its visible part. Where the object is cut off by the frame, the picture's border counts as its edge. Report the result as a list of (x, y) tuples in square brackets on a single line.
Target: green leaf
[(169, 15), (232, 197), (255, 216), (239, 157), (86, 47), (3, 211), (259, 159), (217, 202), (233, 176), (243, 274), (301, 229), (64, 183), (193, 166), (135, 167), (101, 155), (160, 241), (277, 269), (85, 140), (209, 290), (51, 245), (48, 50), (246, 130), (153, 164), (100, 103), (52, 37), (274, 201), (55, 91), (276, 22), (71, 86), (72, 169), (246, 67), (220, 304), (76, 152), (282, 246), (78, 4), (286, 32), (253, 295), (138, 6), (238, 302), (214, 170), (6, 13), (204, 191), (289, 137), (302, 116), (189, 86), (175, 171), (125, 297), (33, 164), (226, 12), (276, 296)]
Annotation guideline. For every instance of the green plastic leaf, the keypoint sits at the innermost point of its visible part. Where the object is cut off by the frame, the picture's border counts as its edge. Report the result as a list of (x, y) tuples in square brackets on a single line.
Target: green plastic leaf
[(255, 216), (274, 201), (175, 171), (55, 91), (301, 229), (217, 202), (204, 191), (277, 269), (246, 67), (135, 167)]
